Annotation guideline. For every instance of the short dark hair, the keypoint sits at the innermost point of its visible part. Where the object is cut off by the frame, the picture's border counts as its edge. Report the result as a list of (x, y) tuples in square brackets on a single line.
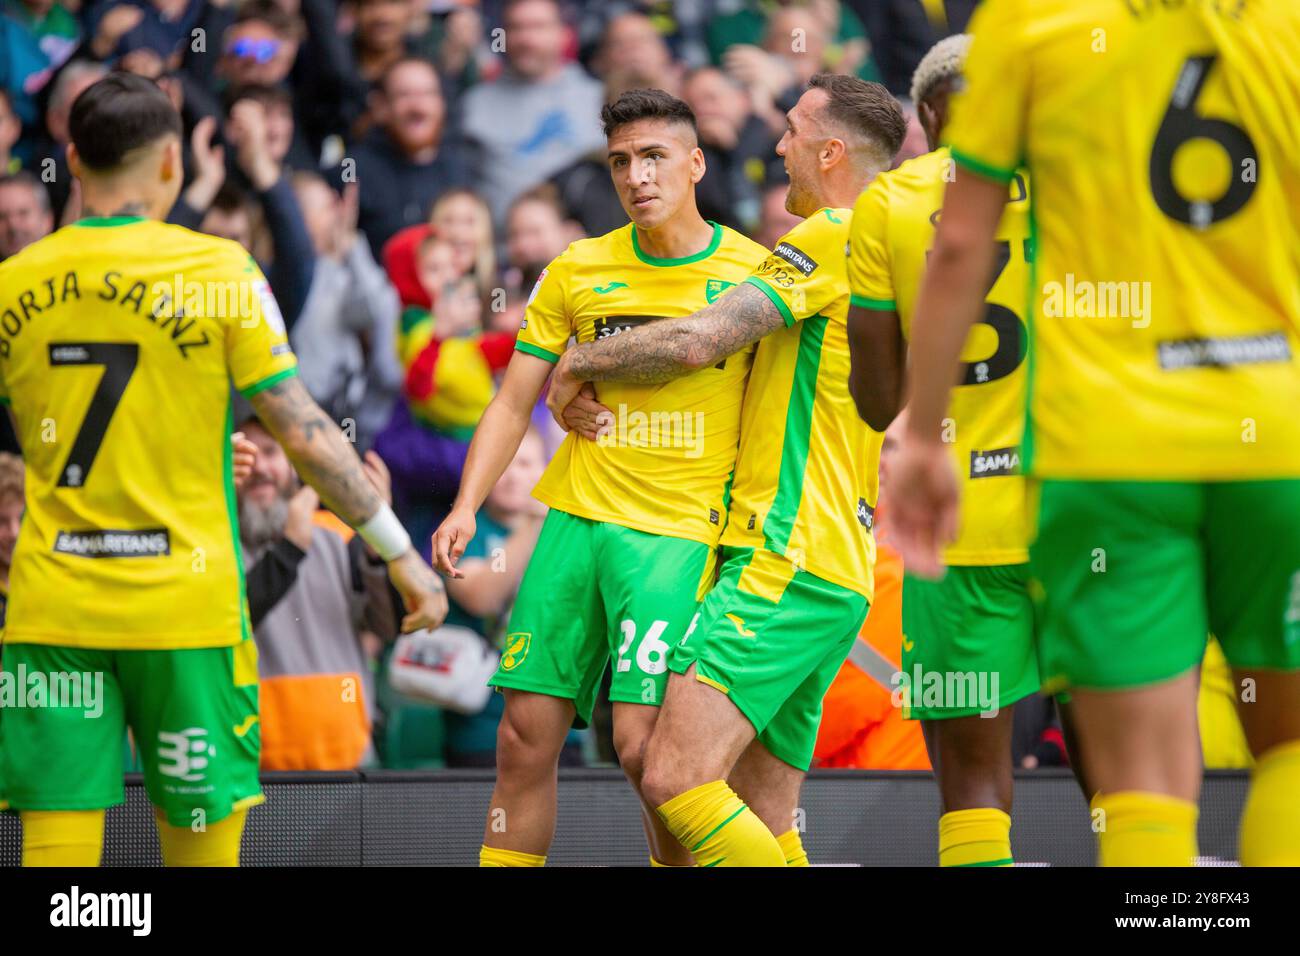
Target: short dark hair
[(268, 96), (119, 114), (865, 108), (230, 198), (273, 15), (646, 104)]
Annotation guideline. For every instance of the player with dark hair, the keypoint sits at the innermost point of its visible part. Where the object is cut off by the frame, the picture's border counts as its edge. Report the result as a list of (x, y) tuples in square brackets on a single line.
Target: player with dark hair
[(749, 673), (120, 336), (1162, 442), (629, 541)]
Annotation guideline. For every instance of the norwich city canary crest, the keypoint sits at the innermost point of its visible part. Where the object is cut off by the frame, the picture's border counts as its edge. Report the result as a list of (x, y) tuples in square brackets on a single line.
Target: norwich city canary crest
[(714, 288), (517, 645)]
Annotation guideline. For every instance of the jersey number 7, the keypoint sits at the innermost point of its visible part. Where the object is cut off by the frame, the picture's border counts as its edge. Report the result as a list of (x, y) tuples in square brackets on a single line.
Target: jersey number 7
[(119, 361)]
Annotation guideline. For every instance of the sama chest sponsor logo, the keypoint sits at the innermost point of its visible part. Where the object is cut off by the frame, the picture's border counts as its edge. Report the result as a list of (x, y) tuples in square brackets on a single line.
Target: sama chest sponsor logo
[(995, 462)]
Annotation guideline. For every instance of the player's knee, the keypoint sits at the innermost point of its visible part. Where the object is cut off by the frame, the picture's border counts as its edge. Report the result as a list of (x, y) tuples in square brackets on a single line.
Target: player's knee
[(524, 750), (631, 757), (661, 779)]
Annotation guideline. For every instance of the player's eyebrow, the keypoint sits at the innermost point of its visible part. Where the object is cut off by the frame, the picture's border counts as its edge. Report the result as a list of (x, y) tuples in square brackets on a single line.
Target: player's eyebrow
[(643, 150)]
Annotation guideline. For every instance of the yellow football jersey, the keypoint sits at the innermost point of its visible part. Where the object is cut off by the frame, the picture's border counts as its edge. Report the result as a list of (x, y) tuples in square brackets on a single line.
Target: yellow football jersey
[(119, 339), (893, 230), (1161, 140), (664, 465), (806, 474)]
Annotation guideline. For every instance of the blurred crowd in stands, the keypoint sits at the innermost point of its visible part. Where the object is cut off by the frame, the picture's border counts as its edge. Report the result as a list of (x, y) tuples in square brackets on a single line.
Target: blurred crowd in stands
[(403, 170)]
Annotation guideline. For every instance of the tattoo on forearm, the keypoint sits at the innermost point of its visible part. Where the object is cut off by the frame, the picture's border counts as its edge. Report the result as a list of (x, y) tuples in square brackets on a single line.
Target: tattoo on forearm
[(317, 448), (670, 348)]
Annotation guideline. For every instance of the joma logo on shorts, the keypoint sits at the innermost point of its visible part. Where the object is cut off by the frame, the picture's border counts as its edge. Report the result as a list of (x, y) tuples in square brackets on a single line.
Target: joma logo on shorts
[(995, 462)]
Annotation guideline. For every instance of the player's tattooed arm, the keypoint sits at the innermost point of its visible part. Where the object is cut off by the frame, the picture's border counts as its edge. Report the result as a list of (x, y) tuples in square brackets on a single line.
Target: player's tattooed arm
[(670, 348), (317, 448)]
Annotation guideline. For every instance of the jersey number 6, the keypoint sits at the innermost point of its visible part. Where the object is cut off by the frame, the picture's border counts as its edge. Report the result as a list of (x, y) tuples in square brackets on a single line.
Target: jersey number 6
[(1182, 123)]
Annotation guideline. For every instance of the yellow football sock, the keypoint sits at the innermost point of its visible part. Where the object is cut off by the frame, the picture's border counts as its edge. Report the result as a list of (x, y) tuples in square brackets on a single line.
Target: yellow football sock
[(218, 845), (719, 829), (62, 837), (498, 856), (1140, 828), (1270, 824), (792, 847), (977, 837)]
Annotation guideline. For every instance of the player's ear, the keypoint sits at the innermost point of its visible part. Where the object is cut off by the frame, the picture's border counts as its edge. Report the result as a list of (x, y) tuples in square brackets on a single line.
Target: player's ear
[(698, 166), (74, 160), (832, 151), (172, 166)]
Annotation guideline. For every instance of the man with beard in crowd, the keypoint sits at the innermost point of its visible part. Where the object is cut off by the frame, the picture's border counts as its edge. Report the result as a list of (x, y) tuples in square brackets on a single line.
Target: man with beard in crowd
[(320, 607)]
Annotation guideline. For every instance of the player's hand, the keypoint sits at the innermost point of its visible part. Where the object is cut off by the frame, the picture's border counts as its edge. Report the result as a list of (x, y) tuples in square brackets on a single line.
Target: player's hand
[(113, 25), (248, 129), (564, 389), (585, 415), (924, 504), (299, 523), (377, 474), (243, 459), (451, 539), (422, 591), (756, 69), (209, 165)]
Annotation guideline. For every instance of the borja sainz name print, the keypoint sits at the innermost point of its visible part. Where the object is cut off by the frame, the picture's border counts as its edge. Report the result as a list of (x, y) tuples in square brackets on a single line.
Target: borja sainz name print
[(164, 304)]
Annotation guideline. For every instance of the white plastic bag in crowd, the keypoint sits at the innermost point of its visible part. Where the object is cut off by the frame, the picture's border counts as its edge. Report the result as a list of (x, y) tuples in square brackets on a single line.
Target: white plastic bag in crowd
[(448, 667)]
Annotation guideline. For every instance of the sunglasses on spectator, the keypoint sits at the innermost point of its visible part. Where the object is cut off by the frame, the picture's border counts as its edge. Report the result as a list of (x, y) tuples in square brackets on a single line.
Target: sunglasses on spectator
[(263, 51)]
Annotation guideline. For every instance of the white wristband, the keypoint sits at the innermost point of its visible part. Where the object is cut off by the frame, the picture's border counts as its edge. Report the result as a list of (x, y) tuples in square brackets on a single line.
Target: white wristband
[(385, 534)]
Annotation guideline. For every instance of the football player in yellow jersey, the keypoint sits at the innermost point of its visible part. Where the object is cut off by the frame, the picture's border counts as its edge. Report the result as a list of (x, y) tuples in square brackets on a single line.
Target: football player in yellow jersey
[(972, 631), (1162, 439), (744, 702), (634, 517), (119, 339)]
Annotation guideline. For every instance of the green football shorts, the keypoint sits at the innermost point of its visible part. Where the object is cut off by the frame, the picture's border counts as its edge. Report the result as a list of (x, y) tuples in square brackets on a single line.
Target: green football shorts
[(772, 639), (596, 592), (1130, 577), (192, 712), (968, 642)]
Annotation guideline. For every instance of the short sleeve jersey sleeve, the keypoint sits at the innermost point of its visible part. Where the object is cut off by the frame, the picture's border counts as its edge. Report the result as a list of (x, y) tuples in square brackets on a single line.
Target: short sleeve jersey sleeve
[(987, 131), (257, 344), (871, 283), (804, 274), (547, 325)]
